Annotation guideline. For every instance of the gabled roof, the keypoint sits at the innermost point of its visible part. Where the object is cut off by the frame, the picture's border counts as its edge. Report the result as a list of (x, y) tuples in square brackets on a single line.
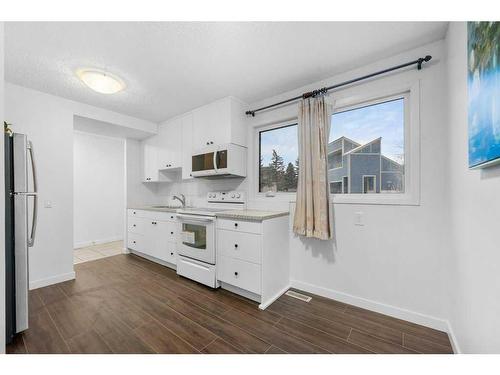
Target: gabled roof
[(340, 138), (362, 146)]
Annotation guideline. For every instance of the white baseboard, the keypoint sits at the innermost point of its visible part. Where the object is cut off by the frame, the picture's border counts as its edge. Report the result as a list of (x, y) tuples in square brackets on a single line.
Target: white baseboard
[(77, 245), (453, 339), (266, 304), (51, 280), (396, 312)]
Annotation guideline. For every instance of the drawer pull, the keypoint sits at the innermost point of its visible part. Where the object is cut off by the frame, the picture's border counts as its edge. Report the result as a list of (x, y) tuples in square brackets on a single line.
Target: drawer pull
[(172, 253), (133, 212), (236, 274), (171, 217), (235, 245), (133, 241), (171, 232), (133, 225), (235, 224)]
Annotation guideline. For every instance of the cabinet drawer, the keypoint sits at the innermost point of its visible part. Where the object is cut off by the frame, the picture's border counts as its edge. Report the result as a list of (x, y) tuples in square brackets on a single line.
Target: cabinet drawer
[(239, 273), (240, 225), (192, 269), (135, 241), (172, 231), (171, 255), (136, 225), (244, 246), (152, 215)]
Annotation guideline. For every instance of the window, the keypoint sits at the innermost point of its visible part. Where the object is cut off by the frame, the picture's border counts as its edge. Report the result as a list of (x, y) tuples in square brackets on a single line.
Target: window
[(370, 138), (336, 187), (373, 149), (278, 159), (369, 184), (345, 181)]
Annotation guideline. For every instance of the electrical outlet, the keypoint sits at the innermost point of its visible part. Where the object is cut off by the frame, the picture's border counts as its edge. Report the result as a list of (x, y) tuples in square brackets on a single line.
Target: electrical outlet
[(359, 219)]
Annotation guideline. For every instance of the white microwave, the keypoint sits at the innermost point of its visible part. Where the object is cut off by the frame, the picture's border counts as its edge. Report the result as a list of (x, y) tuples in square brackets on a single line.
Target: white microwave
[(227, 160)]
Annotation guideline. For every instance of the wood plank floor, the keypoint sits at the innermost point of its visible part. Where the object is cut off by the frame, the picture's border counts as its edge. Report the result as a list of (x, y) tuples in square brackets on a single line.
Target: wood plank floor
[(126, 304)]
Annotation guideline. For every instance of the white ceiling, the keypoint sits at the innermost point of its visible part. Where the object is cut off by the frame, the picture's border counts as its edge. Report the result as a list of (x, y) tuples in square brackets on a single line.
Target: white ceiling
[(172, 67)]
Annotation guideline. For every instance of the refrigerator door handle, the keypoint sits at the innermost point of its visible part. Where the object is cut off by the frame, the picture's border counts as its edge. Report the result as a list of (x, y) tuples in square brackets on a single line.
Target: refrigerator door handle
[(31, 240)]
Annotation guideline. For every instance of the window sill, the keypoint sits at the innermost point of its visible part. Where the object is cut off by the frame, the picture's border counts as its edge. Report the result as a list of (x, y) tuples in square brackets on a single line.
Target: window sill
[(359, 199)]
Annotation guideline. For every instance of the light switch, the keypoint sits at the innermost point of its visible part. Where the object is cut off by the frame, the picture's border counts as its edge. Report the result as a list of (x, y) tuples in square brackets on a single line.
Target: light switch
[(359, 219), (48, 204)]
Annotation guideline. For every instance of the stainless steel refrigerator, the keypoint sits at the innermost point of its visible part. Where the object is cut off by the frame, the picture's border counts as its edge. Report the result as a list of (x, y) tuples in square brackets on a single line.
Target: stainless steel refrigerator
[(20, 226)]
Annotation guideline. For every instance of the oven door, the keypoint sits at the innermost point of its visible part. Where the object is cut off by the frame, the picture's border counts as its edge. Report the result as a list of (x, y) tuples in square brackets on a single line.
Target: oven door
[(197, 237)]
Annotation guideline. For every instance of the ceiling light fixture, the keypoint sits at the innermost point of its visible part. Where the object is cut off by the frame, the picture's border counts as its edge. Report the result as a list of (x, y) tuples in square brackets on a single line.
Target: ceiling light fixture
[(101, 81)]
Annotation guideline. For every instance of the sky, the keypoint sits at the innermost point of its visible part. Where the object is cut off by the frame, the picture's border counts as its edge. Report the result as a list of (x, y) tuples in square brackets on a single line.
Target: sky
[(362, 125)]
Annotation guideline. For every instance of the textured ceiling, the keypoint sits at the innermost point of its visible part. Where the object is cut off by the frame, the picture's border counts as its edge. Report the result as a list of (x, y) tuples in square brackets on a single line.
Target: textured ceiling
[(172, 67)]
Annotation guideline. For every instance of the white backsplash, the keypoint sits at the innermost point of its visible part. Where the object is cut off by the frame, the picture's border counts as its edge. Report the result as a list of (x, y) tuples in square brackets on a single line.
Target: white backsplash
[(196, 189)]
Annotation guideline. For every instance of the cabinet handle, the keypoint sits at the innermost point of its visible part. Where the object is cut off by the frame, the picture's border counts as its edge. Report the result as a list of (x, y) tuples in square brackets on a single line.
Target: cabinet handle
[(208, 143), (171, 217), (133, 241), (134, 224), (171, 232), (134, 212), (154, 222), (235, 245), (236, 274), (211, 142), (172, 253), (235, 224)]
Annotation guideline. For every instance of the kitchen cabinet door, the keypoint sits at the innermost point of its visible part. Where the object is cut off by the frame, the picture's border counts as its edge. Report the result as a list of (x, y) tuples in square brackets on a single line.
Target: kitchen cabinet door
[(211, 124), (158, 240), (170, 145), (187, 145), (150, 162)]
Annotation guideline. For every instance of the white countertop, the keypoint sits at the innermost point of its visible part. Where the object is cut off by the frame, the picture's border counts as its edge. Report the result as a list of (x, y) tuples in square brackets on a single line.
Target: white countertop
[(255, 215)]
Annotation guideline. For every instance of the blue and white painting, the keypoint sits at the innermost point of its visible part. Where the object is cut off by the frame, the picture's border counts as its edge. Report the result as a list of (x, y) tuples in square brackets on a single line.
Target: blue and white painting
[(483, 54)]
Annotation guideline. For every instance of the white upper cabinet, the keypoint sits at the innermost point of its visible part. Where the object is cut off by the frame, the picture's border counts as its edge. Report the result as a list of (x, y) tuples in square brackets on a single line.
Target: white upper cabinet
[(217, 123), (170, 144), (220, 122), (187, 145), (150, 160)]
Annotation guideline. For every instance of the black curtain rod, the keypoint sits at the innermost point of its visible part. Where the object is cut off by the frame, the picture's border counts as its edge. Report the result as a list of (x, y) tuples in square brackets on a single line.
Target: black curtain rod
[(324, 90)]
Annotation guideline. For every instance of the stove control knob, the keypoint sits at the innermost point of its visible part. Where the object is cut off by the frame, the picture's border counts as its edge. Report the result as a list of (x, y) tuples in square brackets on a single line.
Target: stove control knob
[(238, 195), (232, 195)]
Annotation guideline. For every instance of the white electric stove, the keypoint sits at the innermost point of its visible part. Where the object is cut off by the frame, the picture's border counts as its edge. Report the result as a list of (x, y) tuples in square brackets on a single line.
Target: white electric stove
[(196, 246)]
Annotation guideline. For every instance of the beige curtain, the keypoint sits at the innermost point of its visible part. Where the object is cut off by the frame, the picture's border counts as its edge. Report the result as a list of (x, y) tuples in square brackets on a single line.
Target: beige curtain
[(312, 211)]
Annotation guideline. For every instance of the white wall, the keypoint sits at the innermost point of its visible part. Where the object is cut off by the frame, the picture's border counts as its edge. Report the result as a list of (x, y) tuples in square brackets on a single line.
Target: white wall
[(2, 202), (474, 200), (99, 188), (48, 121)]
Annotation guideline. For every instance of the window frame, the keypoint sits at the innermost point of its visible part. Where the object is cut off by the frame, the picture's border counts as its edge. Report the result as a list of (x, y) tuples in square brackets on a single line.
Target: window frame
[(354, 97), (410, 91)]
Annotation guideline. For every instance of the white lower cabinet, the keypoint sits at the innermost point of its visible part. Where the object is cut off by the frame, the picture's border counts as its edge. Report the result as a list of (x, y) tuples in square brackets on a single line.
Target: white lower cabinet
[(244, 275), (253, 258), (152, 234)]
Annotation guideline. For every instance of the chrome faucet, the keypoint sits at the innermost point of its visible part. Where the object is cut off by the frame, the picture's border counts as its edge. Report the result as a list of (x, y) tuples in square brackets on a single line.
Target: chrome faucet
[(181, 199)]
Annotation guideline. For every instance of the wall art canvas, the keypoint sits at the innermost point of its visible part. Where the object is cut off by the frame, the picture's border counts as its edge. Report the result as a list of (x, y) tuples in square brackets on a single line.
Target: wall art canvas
[(483, 80)]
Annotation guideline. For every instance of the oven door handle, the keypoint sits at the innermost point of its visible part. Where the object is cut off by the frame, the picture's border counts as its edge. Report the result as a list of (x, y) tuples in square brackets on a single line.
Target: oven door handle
[(195, 218)]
